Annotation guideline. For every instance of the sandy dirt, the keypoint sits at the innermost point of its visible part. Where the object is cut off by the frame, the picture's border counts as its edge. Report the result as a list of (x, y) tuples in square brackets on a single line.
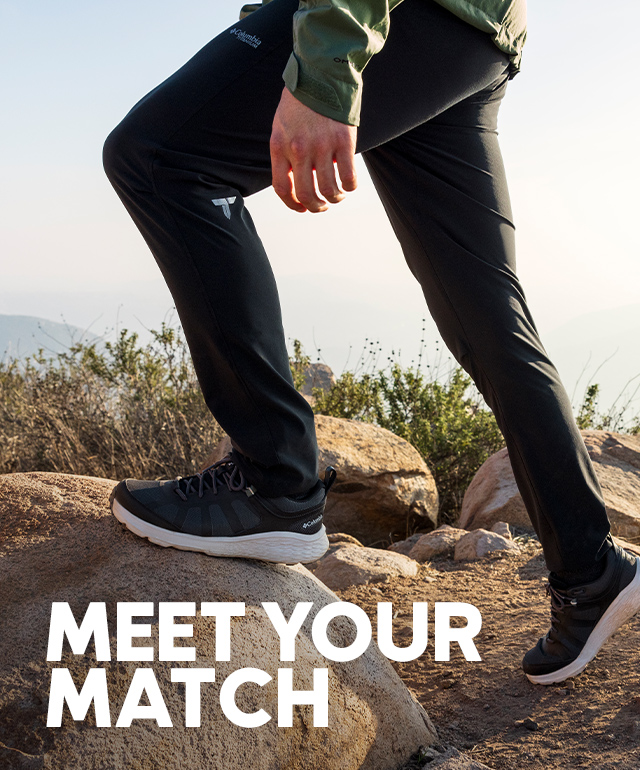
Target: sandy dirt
[(481, 708)]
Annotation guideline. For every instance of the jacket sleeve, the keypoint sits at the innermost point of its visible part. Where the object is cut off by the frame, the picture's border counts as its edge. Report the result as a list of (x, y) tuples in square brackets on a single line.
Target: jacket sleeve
[(332, 42)]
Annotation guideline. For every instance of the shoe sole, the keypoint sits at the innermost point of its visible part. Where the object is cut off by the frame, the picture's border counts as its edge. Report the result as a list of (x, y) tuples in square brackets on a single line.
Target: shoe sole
[(621, 609), (278, 547)]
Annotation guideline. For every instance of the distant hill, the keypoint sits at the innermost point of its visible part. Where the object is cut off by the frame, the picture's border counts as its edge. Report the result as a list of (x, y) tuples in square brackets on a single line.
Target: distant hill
[(23, 335)]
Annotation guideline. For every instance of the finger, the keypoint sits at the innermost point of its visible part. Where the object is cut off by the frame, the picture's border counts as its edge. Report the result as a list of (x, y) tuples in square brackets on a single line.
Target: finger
[(346, 162), (304, 183), (327, 183), (282, 180)]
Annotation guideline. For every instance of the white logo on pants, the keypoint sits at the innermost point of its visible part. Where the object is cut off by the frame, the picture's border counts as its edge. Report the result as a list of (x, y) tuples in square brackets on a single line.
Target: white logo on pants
[(225, 203)]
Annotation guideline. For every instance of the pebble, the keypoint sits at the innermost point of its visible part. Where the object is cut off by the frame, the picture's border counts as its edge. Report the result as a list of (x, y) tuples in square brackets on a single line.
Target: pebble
[(529, 723)]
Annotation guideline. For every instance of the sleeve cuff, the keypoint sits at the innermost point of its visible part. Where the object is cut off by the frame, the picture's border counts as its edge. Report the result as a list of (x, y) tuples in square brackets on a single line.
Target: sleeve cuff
[(332, 98)]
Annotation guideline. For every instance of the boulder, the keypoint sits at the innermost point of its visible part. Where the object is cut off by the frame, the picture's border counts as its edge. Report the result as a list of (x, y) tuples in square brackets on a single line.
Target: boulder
[(440, 542), (350, 565), (384, 487), (493, 496), (60, 543), (480, 543)]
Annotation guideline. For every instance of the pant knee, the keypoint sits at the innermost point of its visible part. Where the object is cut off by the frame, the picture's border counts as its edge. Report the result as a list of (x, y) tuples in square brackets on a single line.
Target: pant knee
[(126, 157)]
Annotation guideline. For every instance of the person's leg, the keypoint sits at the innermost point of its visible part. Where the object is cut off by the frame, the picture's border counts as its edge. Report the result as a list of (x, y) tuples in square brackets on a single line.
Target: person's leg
[(444, 188), (183, 161), (188, 154)]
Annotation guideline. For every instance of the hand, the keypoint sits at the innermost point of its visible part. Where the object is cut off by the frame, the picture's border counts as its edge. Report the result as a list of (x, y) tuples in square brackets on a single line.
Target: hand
[(303, 141)]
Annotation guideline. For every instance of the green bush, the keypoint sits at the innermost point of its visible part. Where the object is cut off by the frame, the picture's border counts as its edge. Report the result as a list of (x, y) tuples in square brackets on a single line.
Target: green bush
[(445, 421), (616, 419)]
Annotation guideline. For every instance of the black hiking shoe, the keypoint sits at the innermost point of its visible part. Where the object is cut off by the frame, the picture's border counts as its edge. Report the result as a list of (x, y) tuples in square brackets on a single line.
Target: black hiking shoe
[(218, 513), (583, 618)]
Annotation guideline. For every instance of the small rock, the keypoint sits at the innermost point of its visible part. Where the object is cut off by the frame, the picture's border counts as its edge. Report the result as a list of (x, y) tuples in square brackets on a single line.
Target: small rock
[(502, 528), (440, 542), (447, 684), (317, 376), (404, 546), (351, 565), (570, 684), (530, 724), (480, 543), (429, 754)]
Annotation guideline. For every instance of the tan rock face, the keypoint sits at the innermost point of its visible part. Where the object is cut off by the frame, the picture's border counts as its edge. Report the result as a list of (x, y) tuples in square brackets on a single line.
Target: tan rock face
[(502, 528), (353, 566), (440, 542), (59, 543), (480, 543), (384, 488), (493, 496)]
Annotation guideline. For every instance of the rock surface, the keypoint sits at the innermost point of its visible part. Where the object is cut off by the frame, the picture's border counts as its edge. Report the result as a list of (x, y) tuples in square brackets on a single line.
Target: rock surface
[(493, 496), (59, 543), (502, 528), (350, 565), (384, 487), (317, 376), (440, 542), (480, 543)]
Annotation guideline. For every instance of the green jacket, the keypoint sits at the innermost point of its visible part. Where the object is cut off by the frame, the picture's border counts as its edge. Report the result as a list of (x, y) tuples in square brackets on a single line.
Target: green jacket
[(334, 39)]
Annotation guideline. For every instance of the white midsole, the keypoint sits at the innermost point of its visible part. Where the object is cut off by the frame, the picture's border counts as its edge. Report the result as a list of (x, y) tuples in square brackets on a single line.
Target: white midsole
[(621, 609), (280, 547)]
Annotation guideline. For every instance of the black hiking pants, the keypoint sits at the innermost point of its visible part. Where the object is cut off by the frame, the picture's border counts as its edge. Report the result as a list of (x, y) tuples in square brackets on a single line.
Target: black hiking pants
[(189, 153)]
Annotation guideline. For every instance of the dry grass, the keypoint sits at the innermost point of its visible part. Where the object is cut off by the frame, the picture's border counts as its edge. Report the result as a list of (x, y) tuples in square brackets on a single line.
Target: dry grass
[(125, 410)]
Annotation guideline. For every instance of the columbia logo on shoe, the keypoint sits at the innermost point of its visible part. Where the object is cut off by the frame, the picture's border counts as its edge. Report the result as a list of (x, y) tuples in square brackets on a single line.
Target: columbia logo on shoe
[(312, 522), (225, 203), (244, 37)]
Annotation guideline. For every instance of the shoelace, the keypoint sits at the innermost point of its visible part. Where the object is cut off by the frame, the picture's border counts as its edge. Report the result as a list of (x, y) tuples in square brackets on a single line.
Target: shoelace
[(224, 471), (558, 602)]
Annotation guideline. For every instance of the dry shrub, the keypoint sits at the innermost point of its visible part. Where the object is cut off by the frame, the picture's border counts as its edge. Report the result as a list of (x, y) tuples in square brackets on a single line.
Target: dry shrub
[(121, 410)]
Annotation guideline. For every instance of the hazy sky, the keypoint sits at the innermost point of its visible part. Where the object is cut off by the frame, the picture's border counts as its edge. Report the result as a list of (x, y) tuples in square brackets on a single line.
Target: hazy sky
[(71, 70)]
